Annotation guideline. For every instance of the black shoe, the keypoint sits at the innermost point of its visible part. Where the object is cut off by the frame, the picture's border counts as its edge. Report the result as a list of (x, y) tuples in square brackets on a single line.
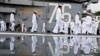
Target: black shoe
[(35, 31), (61, 33)]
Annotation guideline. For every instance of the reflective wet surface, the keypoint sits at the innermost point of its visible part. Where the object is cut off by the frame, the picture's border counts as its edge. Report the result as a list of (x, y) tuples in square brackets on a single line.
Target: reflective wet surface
[(48, 46)]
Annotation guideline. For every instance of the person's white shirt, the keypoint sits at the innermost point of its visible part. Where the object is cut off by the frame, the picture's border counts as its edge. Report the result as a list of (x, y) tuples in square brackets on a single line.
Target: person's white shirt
[(66, 25), (2, 22), (12, 17), (77, 18), (58, 14), (34, 18), (88, 19)]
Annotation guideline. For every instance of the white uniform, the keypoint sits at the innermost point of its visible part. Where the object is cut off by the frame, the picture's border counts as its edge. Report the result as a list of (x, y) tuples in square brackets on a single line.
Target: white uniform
[(57, 45), (77, 24), (84, 29), (75, 41), (34, 23), (89, 24), (12, 43), (77, 28), (95, 27), (77, 18), (12, 19), (3, 25), (34, 43), (59, 22)]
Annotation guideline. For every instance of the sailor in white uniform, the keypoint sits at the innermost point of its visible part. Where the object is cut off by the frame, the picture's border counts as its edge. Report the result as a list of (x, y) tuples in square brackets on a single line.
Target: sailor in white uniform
[(34, 22), (58, 26), (12, 19), (77, 30), (77, 17), (83, 27), (34, 44), (77, 24), (3, 25), (89, 23), (59, 22)]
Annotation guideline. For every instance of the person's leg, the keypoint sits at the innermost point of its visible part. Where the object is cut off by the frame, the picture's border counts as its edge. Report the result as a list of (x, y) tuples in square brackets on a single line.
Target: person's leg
[(55, 30), (4, 28), (32, 30), (12, 26), (61, 26), (35, 27), (43, 28)]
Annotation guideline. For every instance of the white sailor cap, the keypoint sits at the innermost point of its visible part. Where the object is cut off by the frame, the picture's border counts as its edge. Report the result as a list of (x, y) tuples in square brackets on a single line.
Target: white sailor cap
[(59, 4), (35, 11), (12, 10), (79, 12)]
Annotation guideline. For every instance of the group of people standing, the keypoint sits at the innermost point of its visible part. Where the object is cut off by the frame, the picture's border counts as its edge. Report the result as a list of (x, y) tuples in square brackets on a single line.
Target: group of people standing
[(87, 25)]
